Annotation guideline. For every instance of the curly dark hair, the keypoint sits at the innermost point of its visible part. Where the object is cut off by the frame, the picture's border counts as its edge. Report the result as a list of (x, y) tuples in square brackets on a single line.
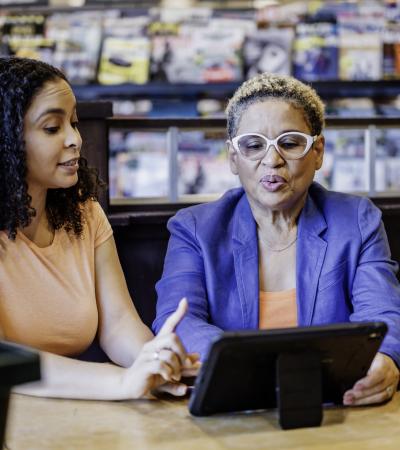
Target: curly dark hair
[(21, 79)]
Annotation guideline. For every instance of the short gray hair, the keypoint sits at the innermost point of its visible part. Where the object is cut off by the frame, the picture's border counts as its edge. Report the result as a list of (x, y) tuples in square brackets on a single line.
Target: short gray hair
[(267, 85)]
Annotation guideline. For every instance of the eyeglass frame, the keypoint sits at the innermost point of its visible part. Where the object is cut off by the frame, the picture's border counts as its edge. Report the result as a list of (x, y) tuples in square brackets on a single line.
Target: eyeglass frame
[(310, 142)]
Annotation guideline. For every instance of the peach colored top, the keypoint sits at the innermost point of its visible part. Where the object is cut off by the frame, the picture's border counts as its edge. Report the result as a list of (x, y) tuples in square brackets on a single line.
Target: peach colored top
[(278, 309), (47, 295)]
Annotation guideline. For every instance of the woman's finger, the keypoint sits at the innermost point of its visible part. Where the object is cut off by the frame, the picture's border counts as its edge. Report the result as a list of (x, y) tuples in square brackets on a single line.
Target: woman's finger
[(169, 342), (192, 359), (378, 397), (360, 391), (174, 318), (177, 389), (190, 372), (158, 367), (171, 359)]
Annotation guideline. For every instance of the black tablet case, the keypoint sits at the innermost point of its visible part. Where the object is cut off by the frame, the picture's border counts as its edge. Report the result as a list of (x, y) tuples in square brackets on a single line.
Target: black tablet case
[(251, 370)]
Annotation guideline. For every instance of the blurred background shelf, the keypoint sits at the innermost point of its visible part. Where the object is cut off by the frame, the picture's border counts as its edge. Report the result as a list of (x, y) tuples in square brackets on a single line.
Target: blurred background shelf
[(157, 90)]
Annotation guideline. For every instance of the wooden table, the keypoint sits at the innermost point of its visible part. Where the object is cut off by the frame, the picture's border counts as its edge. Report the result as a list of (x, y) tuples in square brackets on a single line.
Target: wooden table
[(36, 423)]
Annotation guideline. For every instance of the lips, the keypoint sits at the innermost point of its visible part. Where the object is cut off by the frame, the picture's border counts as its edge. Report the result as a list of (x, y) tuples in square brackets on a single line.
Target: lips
[(273, 179), (273, 183), (70, 162)]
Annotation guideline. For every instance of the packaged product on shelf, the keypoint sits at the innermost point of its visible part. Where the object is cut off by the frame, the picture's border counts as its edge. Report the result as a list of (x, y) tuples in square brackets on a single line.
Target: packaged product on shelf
[(124, 60), (287, 12), (353, 107), (34, 47), (23, 35), (199, 54), (168, 41), (349, 175), (315, 55), (347, 170), (77, 37), (391, 51), (161, 34), (360, 42), (23, 2), (202, 155), (268, 50), (388, 155), (138, 165), (125, 53), (195, 16)]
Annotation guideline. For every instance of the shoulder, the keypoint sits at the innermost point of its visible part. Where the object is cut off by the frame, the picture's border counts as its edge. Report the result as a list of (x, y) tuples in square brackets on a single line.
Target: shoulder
[(211, 213), (96, 221), (339, 204), (91, 209), (345, 211)]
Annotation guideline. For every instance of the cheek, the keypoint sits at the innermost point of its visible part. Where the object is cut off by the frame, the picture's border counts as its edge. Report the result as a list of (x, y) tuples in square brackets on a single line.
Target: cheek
[(301, 172), (38, 153), (247, 174)]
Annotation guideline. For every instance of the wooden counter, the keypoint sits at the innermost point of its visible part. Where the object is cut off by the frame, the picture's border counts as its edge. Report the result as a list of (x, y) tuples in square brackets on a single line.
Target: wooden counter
[(36, 423)]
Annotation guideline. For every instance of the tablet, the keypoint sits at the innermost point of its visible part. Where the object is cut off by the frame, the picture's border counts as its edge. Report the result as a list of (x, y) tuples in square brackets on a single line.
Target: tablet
[(251, 370)]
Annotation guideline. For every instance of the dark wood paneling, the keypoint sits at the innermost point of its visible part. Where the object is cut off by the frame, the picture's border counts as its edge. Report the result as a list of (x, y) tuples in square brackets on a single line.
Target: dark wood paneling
[(94, 130)]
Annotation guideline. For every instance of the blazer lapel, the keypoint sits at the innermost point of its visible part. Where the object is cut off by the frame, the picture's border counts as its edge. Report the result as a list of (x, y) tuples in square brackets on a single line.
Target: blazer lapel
[(245, 255), (311, 249)]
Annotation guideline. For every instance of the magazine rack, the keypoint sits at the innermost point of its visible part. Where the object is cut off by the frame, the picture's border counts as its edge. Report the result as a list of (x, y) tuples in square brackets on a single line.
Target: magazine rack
[(17, 366)]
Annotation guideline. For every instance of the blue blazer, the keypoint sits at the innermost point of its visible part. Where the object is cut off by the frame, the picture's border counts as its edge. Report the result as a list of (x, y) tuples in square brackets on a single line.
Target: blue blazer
[(343, 268)]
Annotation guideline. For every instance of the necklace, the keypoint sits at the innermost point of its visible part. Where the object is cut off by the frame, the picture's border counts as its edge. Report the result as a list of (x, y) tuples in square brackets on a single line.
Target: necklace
[(279, 249)]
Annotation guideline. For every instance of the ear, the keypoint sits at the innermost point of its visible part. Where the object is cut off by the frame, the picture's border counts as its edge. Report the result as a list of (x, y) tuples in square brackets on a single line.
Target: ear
[(232, 157), (318, 150)]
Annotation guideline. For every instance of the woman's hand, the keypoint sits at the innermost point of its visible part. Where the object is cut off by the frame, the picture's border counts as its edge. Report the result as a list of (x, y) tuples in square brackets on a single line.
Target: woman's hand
[(161, 362), (379, 385)]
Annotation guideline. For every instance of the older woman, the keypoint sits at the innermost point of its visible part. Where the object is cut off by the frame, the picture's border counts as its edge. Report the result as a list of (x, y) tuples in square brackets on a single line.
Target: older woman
[(282, 251)]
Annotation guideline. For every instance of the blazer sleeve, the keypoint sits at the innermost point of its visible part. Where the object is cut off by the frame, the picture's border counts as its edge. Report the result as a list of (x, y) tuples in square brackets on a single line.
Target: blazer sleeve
[(184, 276), (376, 291)]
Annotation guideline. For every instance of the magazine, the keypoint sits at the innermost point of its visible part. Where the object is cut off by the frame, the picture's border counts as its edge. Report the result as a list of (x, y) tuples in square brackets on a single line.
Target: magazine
[(268, 50), (360, 42), (125, 53), (77, 37), (391, 51), (124, 60), (315, 54)]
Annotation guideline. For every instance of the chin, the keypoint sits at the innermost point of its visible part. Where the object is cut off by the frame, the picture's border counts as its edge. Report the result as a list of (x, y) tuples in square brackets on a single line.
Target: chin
[(278, 201), (65, 184)]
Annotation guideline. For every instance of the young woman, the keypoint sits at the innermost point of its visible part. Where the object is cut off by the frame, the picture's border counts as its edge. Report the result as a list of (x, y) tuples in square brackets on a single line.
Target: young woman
[(61, 283)]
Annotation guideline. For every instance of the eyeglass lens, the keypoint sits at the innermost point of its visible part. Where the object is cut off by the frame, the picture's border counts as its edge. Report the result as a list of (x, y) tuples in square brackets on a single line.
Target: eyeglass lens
[(290, 145)]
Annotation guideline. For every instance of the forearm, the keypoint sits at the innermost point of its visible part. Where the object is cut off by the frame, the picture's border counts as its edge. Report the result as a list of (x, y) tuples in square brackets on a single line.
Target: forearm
[(64, 377), (124, 340)]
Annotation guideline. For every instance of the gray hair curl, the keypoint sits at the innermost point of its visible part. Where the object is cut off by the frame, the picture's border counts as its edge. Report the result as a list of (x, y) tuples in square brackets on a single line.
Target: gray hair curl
[(265, 86)]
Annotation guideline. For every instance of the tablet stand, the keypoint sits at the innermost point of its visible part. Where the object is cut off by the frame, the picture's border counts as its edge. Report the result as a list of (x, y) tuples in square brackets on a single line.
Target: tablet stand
[(299, 390)]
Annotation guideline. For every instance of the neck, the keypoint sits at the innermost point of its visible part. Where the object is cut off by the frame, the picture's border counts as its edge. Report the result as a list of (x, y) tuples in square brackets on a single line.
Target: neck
[(280, 223), (39, 220)]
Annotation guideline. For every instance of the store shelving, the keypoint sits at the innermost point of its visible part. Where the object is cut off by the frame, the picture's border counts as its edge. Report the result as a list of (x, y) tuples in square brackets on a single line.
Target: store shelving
[(157, 90)]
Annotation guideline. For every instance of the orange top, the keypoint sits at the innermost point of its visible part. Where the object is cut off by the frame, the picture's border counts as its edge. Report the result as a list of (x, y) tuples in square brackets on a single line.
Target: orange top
[(47, 295), (278, 309)]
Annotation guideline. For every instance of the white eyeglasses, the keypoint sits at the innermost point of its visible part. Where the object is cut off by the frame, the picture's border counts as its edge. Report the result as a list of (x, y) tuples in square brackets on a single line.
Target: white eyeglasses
[(290, 145)]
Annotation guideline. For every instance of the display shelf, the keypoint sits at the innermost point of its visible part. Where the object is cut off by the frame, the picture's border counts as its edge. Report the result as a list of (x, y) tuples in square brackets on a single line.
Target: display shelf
[(157, 90), (220, 123)]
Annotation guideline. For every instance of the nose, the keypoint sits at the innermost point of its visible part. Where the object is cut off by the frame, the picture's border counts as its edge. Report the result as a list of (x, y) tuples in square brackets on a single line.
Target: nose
[(73, 138), (272, 158)]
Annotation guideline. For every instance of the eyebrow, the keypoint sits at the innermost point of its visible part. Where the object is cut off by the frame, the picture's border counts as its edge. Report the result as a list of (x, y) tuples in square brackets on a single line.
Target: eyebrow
[(59, 111)]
